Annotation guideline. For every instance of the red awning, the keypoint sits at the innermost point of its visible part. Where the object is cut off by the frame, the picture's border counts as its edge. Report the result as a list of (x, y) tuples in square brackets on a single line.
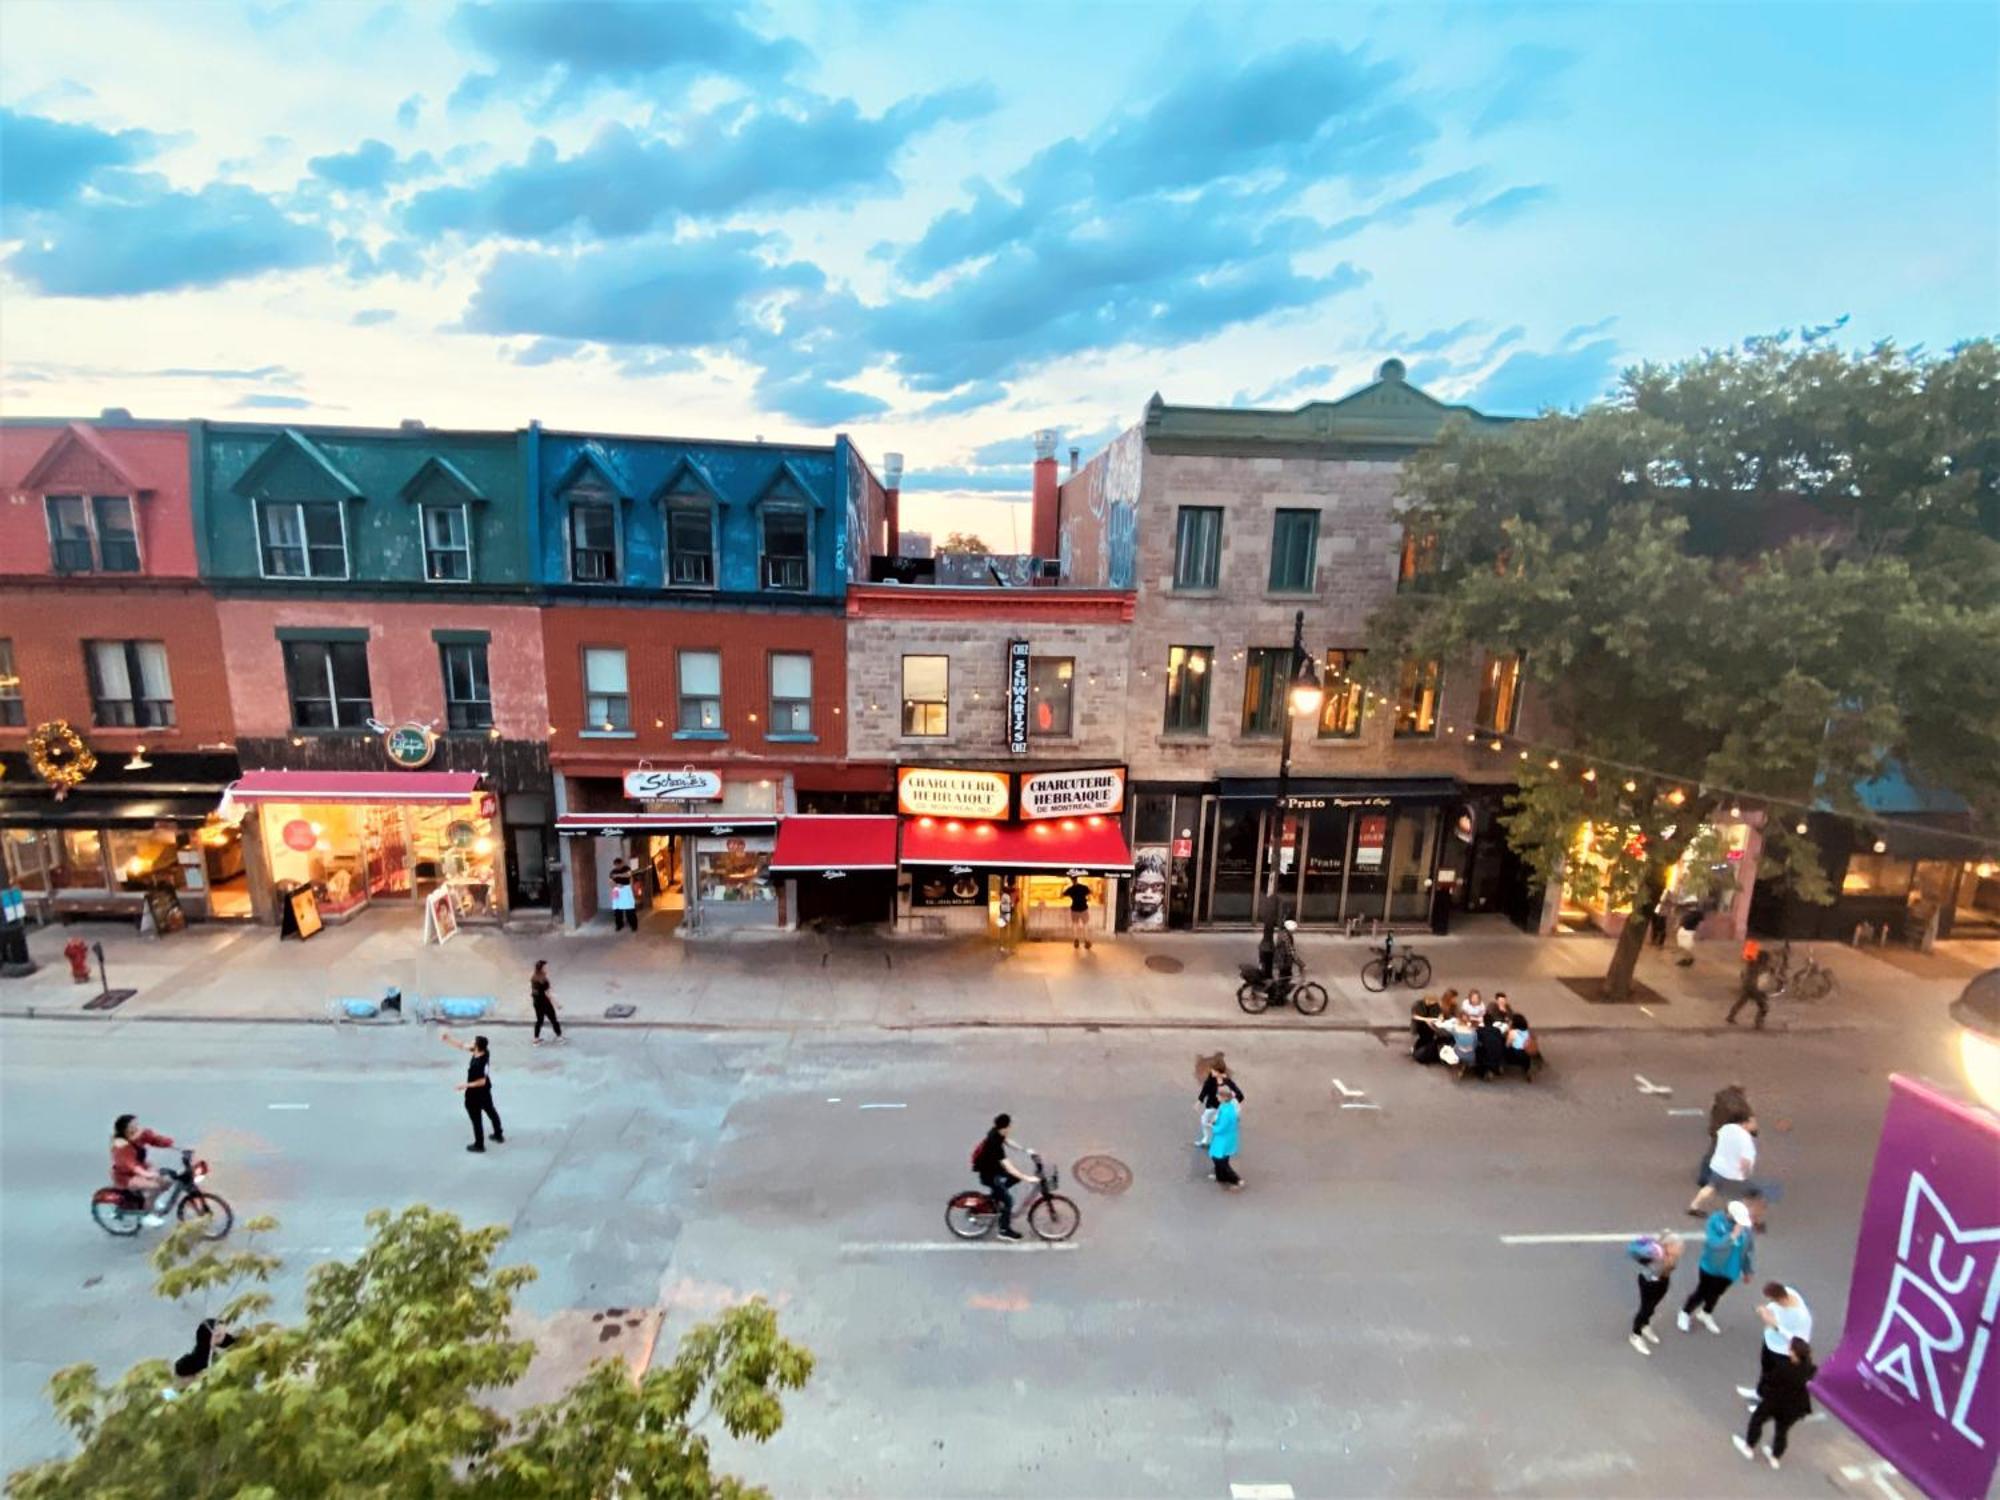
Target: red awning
[(811, 843), (437, 787), (1095, 845), (619, 824)]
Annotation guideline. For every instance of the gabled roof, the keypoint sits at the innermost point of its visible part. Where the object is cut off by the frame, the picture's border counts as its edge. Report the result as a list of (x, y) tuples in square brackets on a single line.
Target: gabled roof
[(436, 470), (76, 445), (1387, 413), (683, 471), (294, 468), (589, 462), (786, 474)]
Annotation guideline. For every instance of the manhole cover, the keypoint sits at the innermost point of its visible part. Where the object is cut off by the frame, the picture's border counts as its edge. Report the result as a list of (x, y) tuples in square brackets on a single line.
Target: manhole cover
[(1102, 1174), (619, 1012), (1161, 963)]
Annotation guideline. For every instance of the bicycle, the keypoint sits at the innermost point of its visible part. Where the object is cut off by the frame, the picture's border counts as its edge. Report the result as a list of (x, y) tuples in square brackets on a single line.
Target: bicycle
[(1812, 980), (122, 1211), (974, 1214), (1259, 991), (1406, 967)]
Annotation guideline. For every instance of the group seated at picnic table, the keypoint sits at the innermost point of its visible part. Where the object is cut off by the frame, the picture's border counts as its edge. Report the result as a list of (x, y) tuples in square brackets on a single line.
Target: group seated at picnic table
[(1471, 1036)]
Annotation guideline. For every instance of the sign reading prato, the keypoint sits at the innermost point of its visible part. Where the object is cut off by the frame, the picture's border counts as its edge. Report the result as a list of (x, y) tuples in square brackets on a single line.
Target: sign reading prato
[(1071, 794)]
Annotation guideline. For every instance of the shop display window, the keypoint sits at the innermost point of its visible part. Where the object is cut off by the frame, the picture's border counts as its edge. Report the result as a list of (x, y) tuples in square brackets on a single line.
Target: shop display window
[(734, 875), (28, 858), (82, 863), (1876, 875), (144, 858)]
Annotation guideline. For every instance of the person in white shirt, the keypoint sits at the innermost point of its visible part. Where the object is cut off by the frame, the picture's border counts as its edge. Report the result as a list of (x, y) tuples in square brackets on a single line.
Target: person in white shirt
[(1729, 1167), (1786, 1317), (1472, 1009)]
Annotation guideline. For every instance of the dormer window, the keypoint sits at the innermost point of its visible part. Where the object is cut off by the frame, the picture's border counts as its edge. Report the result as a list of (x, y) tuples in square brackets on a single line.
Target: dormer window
[(447, 544), (94, 534), (787, 557), (593, 541), (302, 539), (690, 541)]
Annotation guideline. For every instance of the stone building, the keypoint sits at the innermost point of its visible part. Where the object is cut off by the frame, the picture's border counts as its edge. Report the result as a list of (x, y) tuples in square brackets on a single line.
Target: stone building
[(1227, 523)]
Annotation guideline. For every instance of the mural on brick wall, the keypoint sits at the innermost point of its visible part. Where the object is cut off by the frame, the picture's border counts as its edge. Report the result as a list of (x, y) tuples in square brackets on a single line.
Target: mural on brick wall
[(867, 516), (1100, 516), (965, 569)]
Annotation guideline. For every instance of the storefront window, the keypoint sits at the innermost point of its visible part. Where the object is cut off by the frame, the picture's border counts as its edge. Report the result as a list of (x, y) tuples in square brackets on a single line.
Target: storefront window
[(1876, 875), (1326, 865), (734, 874), (82, 866), (143, 859), (28, 859), (1239, 826)]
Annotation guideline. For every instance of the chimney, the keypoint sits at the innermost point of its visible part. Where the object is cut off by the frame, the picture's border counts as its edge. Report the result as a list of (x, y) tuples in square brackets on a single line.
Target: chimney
[(413, 424), (1045, 525), (1072, 459), (892, 502)]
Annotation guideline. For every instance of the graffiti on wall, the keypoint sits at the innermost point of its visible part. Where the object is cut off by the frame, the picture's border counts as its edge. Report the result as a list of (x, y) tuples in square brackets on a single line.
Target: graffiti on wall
[(1100, 516)]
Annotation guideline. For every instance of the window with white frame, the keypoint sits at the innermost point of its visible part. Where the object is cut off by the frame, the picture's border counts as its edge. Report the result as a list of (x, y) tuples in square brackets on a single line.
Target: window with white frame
[(303, 539), (593, 541), (927, 696), (700, 681), (328, 683), (447, 544), (791, 692), (787, 541), (129, 685), (13, 712), (94, 534), (468, 693), (607, 704)]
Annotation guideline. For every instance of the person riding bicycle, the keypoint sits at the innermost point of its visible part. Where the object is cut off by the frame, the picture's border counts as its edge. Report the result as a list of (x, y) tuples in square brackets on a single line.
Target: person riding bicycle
[(998, 1175), (129, 1171)]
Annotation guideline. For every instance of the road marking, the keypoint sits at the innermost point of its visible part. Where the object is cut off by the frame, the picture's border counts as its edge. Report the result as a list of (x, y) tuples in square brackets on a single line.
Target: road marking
[(928, 1247), (1360, 1106), (1684, 1112), (1647, 1010), (288, 1106), (881, 1106), (1260, 1492), (1348, 1093), (1585, 1239), (834, 1100), (1647, 1086)]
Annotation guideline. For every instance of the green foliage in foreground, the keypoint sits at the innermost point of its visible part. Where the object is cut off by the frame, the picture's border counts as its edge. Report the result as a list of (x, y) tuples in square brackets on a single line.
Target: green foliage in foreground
[(379, 1391)]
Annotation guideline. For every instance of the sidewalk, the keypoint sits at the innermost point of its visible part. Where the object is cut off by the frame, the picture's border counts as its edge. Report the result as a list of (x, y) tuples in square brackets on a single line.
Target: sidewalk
[(783, 981)]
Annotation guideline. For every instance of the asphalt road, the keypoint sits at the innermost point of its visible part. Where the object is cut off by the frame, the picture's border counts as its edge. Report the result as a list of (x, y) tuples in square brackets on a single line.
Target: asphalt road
[(1351, 1324)]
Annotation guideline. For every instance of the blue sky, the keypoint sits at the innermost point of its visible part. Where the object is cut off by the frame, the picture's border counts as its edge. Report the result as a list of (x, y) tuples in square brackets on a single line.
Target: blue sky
[(939, 228)]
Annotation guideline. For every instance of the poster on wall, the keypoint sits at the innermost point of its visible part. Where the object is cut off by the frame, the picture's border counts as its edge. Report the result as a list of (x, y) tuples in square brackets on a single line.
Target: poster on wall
[(1073, 794), (440, 916), (1369, 840), (1149, 888), (958, 885), (1017, 697), (923, 791), (1917, 1370)]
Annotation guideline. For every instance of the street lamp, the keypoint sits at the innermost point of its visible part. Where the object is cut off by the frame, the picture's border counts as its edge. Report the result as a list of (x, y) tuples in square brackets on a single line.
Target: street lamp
[(1302, 696), (1977, 1012)]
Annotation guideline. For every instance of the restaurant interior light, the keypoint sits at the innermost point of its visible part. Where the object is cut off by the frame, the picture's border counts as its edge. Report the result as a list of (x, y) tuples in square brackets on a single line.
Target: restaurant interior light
[(138, 762)]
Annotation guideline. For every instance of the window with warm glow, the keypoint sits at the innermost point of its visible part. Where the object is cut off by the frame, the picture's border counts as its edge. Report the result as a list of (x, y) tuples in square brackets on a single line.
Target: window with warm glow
[(1187, 689), (1500, 692), (1870, 874), (1051, 686), (1340, 709), (1420, 557), (12, 711), (927, 696), (1417, 700), (1266, 677)]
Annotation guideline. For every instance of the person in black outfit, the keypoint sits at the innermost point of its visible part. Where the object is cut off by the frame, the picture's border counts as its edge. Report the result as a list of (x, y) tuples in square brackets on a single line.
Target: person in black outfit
[(1214, 1079), (545, 1008), (1784, 1398), (999, 1175), (1078, 895), (210, 1339), (478, 1091)]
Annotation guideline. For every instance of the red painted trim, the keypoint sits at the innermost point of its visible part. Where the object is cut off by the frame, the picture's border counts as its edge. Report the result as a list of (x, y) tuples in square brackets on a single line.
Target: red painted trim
[(922, 601)]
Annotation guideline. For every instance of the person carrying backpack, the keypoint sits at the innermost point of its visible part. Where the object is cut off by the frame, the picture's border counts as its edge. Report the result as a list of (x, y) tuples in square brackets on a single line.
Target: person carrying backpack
[(997, 1174)]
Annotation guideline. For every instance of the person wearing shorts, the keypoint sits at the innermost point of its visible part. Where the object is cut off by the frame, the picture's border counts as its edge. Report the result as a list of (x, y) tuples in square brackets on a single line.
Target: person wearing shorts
[(1079, 912)]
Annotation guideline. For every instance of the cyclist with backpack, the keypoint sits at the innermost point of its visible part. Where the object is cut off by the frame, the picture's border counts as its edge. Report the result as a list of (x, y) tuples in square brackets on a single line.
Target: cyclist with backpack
[(997, 1174)]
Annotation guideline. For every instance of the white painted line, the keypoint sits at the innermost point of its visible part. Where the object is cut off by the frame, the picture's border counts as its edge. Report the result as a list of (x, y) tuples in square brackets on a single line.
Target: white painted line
[(1360, 1106), (1260, 1492), (1647, 1086), (1684, 1112), (1585, 1239), (1348, 1093), (834, 1100), (881, 1106), (288, 1106), (931, 1247), (1647, 1010)]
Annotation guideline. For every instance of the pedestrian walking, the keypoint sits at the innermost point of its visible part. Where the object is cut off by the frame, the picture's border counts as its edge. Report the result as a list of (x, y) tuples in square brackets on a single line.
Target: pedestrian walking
[(1225, 1138), (624, 901), (1728, 1167), (1684, 938), (1657, 1255), (1750, 987), (1656, 924), (1786, 1317), (545, 1008), (1079, 912), (1784, 1399), (1215, 1082), (478, 1091), (1727, 1252)]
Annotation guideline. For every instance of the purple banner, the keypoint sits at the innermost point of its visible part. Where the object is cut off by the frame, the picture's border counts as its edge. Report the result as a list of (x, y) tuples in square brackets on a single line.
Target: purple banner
[(1917, 1373)]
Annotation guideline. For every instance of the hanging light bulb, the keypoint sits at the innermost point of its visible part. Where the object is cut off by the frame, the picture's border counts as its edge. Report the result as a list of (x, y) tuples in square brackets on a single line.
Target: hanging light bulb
[(138, 762), (1676, 797), (1799, 827), (1881, 847), (1631, 786), (1736, 809), (1590, 773)]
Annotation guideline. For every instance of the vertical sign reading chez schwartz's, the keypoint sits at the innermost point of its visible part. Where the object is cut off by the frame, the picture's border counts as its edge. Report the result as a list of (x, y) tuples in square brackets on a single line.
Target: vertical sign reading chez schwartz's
[(1017, 697)]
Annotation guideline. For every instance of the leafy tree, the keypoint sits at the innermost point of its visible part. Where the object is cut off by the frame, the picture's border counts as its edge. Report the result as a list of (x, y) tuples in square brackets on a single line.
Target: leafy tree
[(379, 1391), (965, 543), (1766, 572)]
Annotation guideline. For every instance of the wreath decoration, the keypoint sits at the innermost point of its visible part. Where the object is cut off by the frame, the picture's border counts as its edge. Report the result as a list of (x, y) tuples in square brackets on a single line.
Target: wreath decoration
[(59, 756)]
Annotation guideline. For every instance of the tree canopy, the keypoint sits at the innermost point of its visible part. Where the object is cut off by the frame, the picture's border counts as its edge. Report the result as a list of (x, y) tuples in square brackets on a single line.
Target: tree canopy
[(381, 1389), (965, 542), (1763, 573)]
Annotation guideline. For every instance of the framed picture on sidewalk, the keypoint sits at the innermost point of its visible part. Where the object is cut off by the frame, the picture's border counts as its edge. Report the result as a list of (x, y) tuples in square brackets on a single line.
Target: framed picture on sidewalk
[(440, 916)]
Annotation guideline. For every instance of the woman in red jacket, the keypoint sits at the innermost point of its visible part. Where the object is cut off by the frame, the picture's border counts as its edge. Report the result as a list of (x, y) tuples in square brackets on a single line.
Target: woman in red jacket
[(129, 1141)]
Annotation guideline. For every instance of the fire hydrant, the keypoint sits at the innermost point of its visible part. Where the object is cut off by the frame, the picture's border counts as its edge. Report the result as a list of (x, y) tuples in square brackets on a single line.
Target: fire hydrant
[(78, 954)]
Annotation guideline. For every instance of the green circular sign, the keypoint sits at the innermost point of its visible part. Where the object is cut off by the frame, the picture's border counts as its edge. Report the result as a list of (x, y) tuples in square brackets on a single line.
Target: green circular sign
[(409, 745)]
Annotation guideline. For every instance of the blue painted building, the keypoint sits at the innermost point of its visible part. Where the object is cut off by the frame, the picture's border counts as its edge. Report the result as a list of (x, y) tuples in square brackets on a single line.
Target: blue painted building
[(708, 520)]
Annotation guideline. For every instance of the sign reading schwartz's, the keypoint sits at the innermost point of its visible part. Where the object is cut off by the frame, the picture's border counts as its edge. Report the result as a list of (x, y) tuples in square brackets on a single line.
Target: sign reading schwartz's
[(951, 792)]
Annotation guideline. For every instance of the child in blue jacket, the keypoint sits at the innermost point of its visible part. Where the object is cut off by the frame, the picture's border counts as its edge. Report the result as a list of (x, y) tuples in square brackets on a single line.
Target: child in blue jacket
[(1728, 1253)]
